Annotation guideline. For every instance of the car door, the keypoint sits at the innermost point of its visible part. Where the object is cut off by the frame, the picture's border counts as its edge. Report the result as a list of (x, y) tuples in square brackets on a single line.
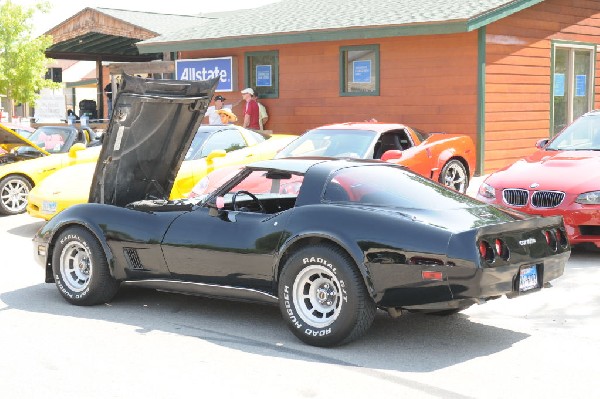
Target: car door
[(234, 248)]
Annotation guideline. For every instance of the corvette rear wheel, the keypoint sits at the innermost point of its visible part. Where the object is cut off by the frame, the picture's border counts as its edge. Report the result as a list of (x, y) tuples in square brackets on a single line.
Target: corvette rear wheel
[(454, 175), (81, 270), (13, 194), (323, 298)]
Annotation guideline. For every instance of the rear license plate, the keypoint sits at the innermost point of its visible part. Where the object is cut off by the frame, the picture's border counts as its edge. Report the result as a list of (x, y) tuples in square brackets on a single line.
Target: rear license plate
[(49, 206), (528, 278)]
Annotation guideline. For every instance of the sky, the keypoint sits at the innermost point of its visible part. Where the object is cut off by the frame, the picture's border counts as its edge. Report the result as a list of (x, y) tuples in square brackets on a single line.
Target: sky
[(63, 9)]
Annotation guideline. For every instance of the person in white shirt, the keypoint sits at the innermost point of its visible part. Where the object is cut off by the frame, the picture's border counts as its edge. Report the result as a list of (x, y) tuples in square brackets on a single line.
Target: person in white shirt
[(211, 113)]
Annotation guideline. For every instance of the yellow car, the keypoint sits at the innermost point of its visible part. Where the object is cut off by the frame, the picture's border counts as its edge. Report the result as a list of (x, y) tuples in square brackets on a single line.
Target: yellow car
[(214, 146), (27, 161)]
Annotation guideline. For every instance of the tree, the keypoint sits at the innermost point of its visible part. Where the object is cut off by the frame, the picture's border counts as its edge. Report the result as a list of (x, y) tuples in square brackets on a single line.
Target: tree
[(23, 63)]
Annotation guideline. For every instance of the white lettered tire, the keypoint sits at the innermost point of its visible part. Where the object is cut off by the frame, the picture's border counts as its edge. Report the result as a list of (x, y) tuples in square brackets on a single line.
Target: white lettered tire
[(323, 298), (80, 268)]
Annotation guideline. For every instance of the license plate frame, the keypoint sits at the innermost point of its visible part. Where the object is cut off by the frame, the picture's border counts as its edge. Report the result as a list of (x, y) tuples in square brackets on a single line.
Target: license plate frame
[(528, 278)]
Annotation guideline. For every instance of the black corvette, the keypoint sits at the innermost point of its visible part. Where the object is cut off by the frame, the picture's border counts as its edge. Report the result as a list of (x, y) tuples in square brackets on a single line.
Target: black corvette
[(329, 240)]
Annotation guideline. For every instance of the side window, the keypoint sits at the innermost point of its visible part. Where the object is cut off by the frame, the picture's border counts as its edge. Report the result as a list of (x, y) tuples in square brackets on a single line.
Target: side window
[(228, 140), (359, 70)]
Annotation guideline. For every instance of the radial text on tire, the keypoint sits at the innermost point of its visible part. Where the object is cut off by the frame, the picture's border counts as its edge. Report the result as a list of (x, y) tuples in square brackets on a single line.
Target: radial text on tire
[(323, 298), (80, 268)]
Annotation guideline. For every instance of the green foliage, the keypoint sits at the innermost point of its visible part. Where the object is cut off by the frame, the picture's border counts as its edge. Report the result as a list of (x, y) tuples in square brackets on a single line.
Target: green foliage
[(23, 62)]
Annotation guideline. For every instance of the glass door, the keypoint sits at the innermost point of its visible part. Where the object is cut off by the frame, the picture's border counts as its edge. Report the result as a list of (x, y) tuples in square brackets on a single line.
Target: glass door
[(572, 84)]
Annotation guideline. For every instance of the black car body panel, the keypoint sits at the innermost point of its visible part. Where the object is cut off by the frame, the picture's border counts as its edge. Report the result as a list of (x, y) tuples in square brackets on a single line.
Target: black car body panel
[(196, 248)]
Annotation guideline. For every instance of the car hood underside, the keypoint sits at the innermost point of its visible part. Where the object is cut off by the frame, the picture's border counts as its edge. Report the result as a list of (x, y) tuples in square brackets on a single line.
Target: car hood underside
[(148, 136)]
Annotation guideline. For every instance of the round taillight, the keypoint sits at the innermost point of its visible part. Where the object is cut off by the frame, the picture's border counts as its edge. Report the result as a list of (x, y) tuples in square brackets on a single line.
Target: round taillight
[(561, 236), (551, 239), (501, 248), (485, 250)]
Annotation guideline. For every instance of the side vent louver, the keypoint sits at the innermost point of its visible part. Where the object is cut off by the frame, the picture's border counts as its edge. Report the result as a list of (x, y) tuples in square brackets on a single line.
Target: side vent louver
[(133, 259)]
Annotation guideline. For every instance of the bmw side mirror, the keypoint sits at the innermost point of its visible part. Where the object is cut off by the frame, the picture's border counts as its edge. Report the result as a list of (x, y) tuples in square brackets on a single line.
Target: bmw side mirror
[(214, 209)]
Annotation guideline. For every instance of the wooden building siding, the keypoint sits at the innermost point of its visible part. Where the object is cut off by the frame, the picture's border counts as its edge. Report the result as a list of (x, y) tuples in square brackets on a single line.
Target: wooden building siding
[(518, 73), (429, 82)]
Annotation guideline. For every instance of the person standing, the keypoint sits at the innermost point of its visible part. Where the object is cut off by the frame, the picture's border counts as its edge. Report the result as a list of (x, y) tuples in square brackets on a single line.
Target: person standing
[(211, 113), (263, 117), (226, 116), (108, 91), (251, 111)]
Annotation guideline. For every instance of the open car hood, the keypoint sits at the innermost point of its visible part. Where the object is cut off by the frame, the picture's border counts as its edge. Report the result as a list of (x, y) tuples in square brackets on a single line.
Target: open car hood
[(151, 129), (10, 139)]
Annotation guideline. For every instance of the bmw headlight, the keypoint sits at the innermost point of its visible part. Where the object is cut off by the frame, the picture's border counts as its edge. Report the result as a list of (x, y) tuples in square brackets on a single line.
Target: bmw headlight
[(591, 198), (487, 191)]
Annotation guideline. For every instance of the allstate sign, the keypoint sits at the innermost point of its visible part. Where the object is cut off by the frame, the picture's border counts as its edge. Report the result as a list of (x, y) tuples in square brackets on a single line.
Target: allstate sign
[(207, 68)]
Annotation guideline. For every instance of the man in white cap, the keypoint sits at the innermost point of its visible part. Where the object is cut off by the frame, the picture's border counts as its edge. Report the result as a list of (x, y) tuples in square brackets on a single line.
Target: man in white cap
[(251, 112)]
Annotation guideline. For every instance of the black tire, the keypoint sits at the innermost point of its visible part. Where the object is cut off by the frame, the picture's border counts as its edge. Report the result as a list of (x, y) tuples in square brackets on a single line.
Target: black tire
[(323, 298), (454, 175), (81, 270), (14, 190)]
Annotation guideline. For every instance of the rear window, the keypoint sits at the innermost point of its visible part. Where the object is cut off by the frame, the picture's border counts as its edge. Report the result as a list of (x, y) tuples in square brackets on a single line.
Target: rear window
[(390, 186)]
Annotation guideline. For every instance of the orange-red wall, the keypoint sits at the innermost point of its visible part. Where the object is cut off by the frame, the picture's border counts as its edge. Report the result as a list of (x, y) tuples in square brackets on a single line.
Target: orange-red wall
[(426, 81), (518, 73)]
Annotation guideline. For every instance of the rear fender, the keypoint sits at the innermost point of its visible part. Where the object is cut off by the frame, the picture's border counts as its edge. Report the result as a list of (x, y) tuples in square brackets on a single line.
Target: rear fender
[(308, 238)]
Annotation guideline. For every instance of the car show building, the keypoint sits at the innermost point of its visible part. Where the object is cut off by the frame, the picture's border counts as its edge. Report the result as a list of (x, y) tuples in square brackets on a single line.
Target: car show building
[(504, 72)]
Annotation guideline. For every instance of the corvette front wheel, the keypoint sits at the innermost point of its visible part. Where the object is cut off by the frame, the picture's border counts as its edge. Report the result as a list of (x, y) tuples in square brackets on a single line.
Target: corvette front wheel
[(323, 298), (454, 175), (13, 194), (81, 270)]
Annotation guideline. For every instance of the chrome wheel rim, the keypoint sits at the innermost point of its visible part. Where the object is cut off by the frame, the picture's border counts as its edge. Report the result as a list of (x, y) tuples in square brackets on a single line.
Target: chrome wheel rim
[(14, 195), (317, 296), (456, 177), (75, 266)]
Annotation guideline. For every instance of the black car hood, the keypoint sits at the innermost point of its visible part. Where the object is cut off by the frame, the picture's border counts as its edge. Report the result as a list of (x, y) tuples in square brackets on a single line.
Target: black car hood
[(151, 129)]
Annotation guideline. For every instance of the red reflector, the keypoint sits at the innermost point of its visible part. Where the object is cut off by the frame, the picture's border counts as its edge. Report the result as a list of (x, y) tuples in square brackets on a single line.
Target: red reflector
[(432, 276)]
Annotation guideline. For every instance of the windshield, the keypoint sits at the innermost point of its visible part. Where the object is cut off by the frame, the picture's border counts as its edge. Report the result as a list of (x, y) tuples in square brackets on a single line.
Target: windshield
[(581, 135), (52, 140), (196, 147), (343, 143)]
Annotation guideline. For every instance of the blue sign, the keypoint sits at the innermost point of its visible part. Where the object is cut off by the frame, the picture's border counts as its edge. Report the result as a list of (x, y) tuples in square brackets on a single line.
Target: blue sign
[(263, 75), (580, 85), (559, 84), (361, 71), (205, 69)]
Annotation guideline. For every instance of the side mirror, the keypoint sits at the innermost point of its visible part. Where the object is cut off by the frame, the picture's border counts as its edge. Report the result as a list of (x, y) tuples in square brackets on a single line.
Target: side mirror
[(219, 204), (391, 154), (215, 154), (75, 148), (541, 143)]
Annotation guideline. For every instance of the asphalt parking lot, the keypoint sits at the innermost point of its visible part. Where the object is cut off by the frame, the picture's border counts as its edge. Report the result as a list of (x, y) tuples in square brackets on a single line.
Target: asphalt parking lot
[(159, 345)]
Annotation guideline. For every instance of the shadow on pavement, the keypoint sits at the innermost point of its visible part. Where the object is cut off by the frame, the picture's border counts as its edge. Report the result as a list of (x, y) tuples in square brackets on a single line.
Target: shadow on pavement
[(411, 343), (27, 230)]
